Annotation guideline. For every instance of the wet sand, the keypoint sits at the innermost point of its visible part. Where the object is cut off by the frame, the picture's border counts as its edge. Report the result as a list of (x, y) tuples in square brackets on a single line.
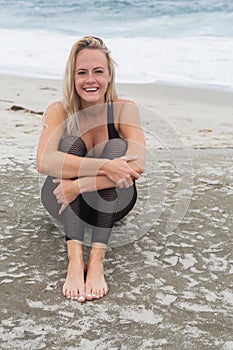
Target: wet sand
[(169, 289)]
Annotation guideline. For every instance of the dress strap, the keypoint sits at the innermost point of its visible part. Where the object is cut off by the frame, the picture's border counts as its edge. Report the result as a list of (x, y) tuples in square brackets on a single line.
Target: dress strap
[(112, 132)]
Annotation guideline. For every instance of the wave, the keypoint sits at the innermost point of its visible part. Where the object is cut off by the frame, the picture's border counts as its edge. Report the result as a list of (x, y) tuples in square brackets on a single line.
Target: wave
[(151, 18), (186, 60)]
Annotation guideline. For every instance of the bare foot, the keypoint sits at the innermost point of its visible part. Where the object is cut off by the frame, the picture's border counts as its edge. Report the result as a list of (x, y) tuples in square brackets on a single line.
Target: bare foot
[(96, 286), (73, 287)]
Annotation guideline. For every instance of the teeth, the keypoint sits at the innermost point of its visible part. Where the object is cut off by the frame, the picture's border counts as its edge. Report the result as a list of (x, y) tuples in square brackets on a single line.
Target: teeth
[(91, 89)]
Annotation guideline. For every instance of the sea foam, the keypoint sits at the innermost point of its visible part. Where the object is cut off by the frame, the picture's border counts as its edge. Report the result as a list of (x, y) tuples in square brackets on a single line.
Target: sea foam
[(184, 60)]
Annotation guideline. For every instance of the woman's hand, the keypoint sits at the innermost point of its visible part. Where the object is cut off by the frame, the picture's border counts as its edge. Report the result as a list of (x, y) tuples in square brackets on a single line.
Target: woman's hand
[(119, 171), (65, 192)]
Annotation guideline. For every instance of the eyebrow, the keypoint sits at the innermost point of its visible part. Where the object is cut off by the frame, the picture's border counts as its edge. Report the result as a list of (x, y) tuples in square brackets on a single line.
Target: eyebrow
[(100, 67)]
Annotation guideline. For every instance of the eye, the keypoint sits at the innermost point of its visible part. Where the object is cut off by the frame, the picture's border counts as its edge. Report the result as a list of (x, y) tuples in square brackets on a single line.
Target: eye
[(81, 72), (99, 71)]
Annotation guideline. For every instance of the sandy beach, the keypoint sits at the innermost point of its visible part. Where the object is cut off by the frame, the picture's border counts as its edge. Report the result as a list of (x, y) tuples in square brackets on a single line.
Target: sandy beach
[(171, 284)]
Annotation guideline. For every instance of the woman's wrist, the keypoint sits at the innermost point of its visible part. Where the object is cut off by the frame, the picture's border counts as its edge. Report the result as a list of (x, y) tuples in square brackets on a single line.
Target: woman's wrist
[(104, 169), (77, 187), (83, 184)]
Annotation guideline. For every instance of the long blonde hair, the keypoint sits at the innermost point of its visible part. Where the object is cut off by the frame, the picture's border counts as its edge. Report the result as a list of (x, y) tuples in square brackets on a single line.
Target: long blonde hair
[(71, 100)]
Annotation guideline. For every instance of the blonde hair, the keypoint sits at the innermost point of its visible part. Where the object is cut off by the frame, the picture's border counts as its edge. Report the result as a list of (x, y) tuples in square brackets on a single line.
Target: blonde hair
[(71, 100)]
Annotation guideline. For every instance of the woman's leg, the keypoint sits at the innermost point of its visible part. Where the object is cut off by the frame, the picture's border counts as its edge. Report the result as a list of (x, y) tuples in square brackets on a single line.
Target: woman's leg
[(113, 203), (107, 203), (74, 228)]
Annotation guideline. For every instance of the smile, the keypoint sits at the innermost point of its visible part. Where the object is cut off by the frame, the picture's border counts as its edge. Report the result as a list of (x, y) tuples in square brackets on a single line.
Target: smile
[(91, 89)]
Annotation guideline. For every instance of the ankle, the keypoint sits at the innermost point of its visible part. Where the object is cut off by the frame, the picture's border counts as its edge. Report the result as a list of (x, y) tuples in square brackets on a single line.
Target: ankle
[(96, 256), (74, 250)]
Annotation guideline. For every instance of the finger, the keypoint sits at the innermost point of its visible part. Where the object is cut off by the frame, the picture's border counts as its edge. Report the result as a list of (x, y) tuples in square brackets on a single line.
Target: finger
[(134, 174), (130, 158), (56, 191), (130, 182), (129, 179), (126, 184), (56, 181), (120, 184), (63, 207)]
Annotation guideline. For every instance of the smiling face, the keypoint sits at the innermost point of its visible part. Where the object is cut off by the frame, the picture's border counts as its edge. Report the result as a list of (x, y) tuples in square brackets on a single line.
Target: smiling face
[(91, 76)]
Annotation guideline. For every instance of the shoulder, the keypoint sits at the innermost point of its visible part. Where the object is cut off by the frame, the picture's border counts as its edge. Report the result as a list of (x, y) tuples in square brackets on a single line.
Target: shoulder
[(56, 107), (126, 112), (123, 101), (123, 107), (54, 114)]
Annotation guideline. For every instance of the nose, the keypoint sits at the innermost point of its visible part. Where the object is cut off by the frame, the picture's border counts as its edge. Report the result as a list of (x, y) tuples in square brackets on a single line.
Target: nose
[(90, 77)]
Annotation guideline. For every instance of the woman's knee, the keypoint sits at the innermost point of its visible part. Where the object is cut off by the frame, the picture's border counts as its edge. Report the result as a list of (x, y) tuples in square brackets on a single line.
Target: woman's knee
[(115, 148), (73, 145)]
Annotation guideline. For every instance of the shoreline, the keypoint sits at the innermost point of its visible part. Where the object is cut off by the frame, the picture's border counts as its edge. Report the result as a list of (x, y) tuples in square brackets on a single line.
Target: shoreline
[(205, 86), (224, 92)]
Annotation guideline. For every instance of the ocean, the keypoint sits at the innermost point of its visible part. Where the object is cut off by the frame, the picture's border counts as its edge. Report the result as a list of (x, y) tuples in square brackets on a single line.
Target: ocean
[(183, 42)]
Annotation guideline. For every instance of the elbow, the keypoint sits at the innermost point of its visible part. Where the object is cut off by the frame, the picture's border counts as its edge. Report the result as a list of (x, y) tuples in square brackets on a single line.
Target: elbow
[(40, 169), (45, 165), (41, 166)]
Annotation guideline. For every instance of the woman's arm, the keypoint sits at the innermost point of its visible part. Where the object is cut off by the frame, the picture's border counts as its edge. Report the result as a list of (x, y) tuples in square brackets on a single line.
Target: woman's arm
[(68, 190), (52, 162), (130, 128)]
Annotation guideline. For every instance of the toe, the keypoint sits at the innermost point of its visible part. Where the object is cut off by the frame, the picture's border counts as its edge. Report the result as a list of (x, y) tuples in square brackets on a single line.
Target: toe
[(89, 296), (81, 295), (73, 295), (93, 295), (89, 293), (81, 298), (97, 294)]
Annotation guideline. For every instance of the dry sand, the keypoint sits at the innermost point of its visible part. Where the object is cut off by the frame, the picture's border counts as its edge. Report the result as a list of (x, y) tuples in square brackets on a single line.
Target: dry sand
[(169, 289)]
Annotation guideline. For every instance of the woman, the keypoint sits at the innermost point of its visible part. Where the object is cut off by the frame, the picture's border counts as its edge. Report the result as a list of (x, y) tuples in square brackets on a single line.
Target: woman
[(92, 148)]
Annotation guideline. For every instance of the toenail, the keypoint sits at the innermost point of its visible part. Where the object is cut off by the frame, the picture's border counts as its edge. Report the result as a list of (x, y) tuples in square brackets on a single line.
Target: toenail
[(81, 298)]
